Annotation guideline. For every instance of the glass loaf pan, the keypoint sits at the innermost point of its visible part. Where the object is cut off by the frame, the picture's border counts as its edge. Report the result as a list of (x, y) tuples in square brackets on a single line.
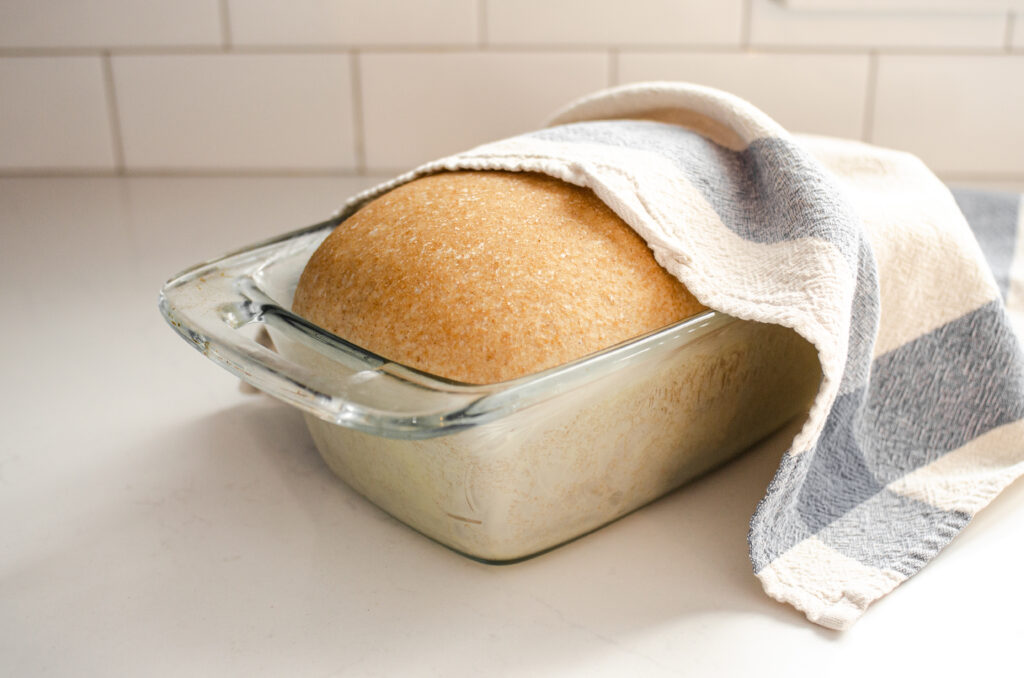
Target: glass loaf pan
[(499, 471)]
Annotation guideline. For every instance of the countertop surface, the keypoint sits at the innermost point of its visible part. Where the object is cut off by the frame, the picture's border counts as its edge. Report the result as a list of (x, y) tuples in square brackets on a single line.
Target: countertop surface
[(157, 520)]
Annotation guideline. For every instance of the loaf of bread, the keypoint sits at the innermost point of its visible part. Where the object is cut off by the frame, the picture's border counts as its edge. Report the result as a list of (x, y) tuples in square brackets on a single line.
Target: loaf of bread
[(486, 276)]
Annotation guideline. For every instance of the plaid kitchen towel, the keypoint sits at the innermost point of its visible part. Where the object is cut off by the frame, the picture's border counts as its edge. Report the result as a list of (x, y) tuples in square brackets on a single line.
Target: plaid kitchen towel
[(919, 421)]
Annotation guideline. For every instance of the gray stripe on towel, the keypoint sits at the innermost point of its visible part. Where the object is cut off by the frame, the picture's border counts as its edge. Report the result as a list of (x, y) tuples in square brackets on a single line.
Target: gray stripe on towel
[(776, 525), (961, 380), (994, 218), (838, 477), (918, 531), (966, 378), (773, 191)]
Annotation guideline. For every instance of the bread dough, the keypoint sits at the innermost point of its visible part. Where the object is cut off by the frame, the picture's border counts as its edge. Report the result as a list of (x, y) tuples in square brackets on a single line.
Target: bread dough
[(487, 276)]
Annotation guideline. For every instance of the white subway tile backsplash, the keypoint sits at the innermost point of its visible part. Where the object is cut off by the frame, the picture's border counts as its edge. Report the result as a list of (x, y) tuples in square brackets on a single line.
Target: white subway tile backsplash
[(816, 93), (958, 113), (108, 23), (262, 85), (612, 22), (225, 111), (353, 22), (776, 25), (53, 114), (417, 107)]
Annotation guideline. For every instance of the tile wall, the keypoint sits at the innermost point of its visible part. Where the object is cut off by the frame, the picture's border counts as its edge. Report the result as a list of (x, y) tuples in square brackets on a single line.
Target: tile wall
[(372, 87)]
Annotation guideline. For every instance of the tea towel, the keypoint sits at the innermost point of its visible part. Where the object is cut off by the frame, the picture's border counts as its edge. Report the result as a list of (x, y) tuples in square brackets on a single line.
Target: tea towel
[(919, 419)]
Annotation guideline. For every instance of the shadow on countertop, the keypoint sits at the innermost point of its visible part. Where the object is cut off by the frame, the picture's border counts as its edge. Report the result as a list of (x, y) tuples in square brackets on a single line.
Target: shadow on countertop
[(235, 549)]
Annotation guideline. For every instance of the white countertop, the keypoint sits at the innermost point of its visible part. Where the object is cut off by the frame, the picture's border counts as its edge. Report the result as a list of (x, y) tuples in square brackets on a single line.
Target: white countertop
[(155, 520)]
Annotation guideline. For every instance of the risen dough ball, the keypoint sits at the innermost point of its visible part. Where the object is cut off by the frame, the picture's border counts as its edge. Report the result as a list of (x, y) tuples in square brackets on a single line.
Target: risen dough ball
[(487, 276)]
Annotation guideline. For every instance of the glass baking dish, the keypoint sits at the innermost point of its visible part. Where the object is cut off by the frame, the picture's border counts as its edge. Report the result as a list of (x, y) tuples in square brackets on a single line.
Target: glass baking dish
[(499, 471)]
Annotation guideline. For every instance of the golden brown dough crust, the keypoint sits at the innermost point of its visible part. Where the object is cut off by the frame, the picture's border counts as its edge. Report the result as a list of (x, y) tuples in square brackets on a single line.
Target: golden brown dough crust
[(487, 276)]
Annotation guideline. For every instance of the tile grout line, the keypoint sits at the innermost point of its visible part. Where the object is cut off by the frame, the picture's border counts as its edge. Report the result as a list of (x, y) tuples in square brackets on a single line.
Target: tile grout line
[(225, 25), (745, 22), (503, 48), (1008, 38), (870, 96), (358, 128), (613, 67), (113, 117), (481, 23)]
